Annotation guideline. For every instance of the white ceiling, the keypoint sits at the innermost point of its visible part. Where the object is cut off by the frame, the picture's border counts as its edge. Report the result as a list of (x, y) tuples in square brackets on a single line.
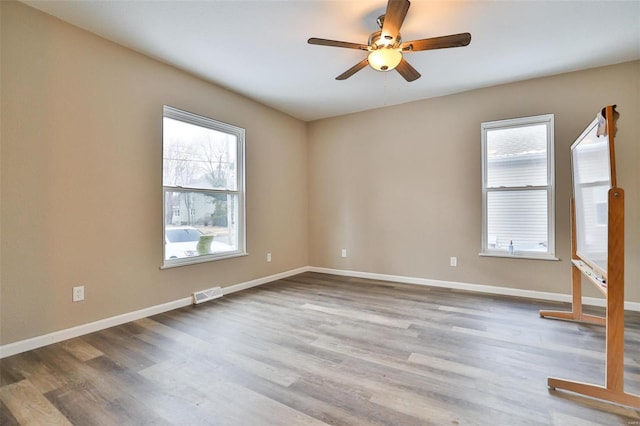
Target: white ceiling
[(259, 48)]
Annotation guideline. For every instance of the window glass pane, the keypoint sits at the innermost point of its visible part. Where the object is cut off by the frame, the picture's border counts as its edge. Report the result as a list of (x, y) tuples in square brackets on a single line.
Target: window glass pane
[(517, 156), (518, 216), (198, 224), (198, 157)]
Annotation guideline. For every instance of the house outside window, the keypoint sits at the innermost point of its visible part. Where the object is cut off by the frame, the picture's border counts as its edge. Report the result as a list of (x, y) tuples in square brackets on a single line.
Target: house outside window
[(203, 189), (518, 210)]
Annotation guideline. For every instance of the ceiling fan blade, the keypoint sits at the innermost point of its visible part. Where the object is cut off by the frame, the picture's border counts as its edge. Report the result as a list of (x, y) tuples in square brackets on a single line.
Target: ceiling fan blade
[(407, 71), (454, 40), (393, 18), (354, 69), (335, 43)]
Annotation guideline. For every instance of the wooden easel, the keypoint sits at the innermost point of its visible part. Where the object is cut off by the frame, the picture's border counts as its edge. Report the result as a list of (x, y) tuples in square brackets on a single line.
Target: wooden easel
[(611, 284)]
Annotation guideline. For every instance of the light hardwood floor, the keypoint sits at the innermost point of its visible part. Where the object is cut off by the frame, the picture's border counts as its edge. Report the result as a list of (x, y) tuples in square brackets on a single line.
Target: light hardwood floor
[(318, 349)]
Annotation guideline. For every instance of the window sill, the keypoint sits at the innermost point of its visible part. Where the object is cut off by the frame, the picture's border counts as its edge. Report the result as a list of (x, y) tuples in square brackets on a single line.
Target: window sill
[(168, 264), (529, 256)]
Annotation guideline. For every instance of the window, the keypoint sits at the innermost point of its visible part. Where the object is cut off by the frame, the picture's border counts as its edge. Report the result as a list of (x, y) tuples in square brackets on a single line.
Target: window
[(203, 187), (518, 188)]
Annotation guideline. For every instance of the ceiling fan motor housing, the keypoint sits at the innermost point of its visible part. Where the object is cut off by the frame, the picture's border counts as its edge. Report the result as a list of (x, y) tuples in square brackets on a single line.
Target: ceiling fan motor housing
[(377, 40)]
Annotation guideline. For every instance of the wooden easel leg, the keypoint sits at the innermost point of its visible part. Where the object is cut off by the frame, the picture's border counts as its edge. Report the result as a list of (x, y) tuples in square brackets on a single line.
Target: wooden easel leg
[(595, 391), (576, 300), (615, 294), (576, 313)]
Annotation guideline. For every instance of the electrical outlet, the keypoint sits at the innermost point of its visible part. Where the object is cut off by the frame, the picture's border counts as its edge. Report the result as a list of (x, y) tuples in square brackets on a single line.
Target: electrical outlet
[(453, 261), (344, 252), (78, 293), (268, 257)]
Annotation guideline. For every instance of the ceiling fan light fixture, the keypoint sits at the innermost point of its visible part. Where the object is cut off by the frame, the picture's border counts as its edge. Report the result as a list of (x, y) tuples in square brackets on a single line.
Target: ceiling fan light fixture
[(384, 59)]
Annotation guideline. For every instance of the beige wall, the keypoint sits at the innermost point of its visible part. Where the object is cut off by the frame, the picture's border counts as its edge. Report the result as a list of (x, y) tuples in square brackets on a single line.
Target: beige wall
[(400, 187), (81, 178)]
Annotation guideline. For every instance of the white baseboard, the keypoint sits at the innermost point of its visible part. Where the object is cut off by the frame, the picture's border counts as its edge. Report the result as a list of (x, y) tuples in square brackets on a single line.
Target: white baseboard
[(265, 280), (70, 333), (478, 288)]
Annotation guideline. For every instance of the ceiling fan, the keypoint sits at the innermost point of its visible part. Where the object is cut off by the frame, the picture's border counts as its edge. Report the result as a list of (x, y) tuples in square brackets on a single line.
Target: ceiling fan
[(386, 47)]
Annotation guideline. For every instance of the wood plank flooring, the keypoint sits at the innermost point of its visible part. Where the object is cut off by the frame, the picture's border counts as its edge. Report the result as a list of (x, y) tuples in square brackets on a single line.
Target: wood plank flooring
[(318, 349)]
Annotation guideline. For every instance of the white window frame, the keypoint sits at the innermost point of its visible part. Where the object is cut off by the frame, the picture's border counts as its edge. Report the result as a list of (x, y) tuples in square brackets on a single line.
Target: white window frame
[(239, 133), (548, 121)]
